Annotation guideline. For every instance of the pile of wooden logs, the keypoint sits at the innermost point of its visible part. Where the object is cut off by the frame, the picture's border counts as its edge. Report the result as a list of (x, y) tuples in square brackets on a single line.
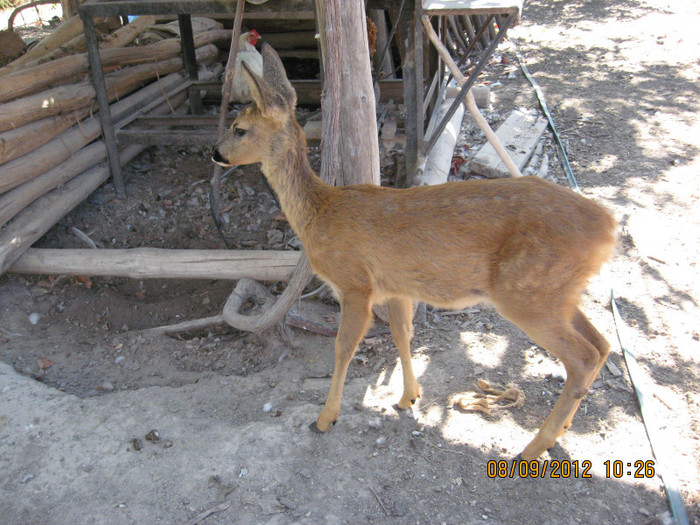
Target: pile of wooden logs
[(51, 155)]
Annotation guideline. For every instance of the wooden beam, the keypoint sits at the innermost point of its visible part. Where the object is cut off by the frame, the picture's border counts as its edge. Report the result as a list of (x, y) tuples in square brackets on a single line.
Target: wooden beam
[(155, 263)]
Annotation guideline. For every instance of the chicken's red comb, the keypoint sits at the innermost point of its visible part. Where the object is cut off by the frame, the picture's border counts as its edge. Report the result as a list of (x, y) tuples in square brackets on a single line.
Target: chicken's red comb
[(253, 34)]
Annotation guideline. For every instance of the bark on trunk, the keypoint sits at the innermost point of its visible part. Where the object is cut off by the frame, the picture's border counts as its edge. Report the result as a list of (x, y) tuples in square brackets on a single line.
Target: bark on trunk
[(358, 143)]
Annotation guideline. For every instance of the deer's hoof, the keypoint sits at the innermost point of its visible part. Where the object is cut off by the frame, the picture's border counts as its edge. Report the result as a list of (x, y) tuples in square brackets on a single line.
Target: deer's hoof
[(316, 430)]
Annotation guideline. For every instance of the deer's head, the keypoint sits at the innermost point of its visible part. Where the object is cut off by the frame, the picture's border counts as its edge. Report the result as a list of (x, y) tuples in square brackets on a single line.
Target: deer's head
[(256, 132)]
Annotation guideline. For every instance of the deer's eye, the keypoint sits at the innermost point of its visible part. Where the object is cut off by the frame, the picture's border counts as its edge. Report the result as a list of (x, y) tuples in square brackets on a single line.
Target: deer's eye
[(240, 132)]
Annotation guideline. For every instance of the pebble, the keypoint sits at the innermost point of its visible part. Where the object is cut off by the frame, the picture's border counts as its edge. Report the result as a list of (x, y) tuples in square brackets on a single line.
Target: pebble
[(375, 423), (119, 359), (381, 440), (34, 318), (267, 407)]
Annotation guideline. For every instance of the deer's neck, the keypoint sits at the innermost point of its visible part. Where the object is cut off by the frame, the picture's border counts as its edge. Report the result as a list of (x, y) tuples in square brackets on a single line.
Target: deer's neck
[(299, 189)]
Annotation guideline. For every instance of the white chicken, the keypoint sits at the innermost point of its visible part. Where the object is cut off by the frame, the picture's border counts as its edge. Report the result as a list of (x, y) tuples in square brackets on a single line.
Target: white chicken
[(240, 90)]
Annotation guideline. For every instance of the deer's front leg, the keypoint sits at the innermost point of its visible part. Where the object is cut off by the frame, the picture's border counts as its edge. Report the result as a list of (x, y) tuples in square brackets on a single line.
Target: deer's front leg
[(401, 326), (355, 316)]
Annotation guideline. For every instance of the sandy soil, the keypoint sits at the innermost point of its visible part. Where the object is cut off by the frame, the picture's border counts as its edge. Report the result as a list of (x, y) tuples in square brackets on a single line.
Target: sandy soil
[(83, 383)]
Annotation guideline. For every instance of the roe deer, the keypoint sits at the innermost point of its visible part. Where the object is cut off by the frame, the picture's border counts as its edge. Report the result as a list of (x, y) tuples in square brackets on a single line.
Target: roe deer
[(525, 245)]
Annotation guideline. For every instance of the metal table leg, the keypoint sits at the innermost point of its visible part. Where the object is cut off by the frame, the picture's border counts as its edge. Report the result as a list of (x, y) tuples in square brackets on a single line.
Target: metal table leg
[(189, 59), (98, 82)]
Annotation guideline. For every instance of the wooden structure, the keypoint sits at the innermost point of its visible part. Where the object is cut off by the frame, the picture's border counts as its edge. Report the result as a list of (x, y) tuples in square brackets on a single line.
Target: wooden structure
[(407, 13), (144, 126)]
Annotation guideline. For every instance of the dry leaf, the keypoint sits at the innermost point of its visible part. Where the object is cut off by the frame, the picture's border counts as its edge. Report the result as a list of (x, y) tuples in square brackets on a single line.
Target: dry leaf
[(44, 363)]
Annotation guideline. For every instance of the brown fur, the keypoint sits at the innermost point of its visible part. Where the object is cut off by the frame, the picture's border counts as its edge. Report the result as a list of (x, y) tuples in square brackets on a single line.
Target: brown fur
[(525, 245)]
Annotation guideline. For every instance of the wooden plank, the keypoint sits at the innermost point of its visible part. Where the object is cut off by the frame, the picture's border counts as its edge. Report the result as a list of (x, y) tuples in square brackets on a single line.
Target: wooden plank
[(519, 135), (471, 7)]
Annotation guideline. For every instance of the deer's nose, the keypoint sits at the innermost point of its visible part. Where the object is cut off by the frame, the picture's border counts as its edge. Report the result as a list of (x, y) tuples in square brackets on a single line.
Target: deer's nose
[(216, 156)]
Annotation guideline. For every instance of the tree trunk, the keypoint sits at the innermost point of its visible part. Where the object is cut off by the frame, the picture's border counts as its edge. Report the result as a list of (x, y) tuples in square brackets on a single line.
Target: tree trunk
[(348, 50), (70, 8)]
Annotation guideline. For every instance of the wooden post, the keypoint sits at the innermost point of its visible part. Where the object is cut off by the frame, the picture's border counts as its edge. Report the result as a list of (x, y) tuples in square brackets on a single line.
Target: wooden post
[(359, 145)]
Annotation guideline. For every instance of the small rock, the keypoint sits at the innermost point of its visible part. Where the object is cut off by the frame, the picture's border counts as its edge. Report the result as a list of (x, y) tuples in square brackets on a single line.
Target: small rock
[(381, 440), (119, 359), (27, 478), (153, 436), (375, 423), (267, 407), (136, 444), (106, 387), (34, 318)]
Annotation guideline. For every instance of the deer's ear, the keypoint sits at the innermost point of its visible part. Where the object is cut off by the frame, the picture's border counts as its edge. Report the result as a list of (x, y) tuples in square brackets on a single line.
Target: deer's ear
[(269, 101), (256, 86), (275, 75)]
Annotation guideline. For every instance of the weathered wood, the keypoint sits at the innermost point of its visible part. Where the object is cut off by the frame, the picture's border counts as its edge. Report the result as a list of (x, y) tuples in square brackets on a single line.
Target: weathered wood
[(65, 32), (386, 68), (57, 72), (470, 102), (120, 38), (13, 202), (25, 168), (68, 98), (25, 139), (37, 218), (292, 40), (156, 263), (471, 7), (439, 161), (127, 34), (519, 134), (348, 48)]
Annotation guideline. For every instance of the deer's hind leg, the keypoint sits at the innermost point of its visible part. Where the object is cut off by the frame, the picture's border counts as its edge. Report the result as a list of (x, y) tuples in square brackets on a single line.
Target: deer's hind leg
[(584, 327), (561, 335), (401, 326), (355, 316)]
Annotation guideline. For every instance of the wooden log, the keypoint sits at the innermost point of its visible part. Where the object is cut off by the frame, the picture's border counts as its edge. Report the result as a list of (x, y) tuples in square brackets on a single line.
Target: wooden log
[(68, 98), (25, 168), (127, 34), (13, 202), (14, 143), (439, 160), (386, 68), (37, 218), (156, 263), (120, 38), (65, 32), (57, 72)]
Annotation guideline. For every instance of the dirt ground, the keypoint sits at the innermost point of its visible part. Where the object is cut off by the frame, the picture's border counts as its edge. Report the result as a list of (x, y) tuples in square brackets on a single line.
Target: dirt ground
[(83, 383)]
